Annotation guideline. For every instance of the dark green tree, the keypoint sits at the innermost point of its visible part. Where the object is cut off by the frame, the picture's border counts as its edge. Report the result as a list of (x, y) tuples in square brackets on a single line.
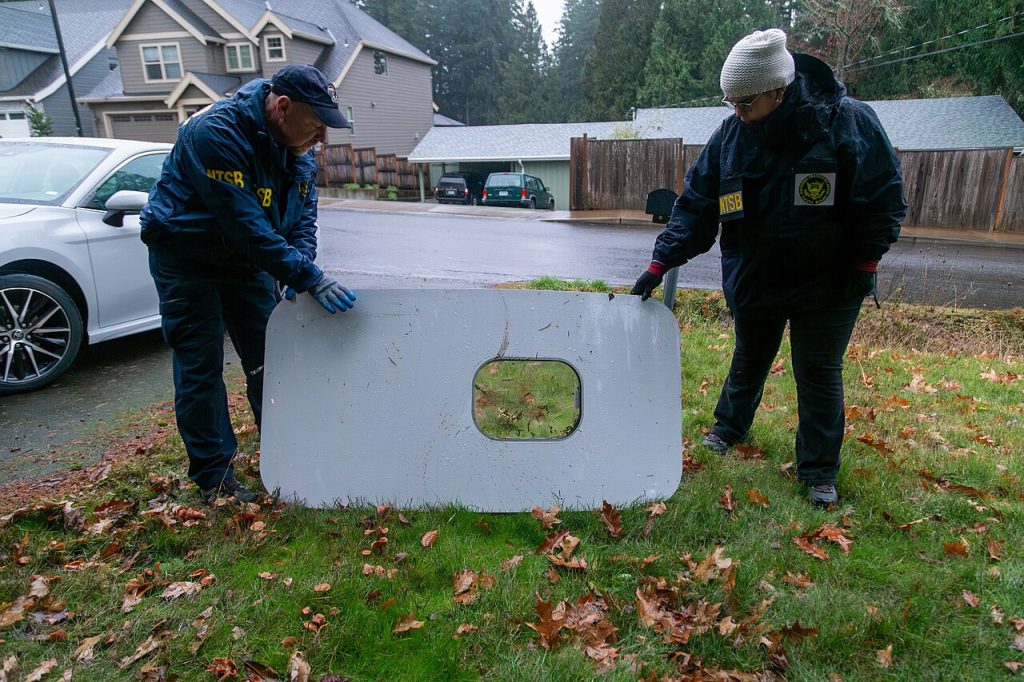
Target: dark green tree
[(401, 16), (575, 41), (690, 43), (921, 70), (613, 72), (525, 94)]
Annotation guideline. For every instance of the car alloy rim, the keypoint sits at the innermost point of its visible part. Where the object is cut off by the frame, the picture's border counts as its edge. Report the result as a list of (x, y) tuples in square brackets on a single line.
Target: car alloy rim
[(35, 335)]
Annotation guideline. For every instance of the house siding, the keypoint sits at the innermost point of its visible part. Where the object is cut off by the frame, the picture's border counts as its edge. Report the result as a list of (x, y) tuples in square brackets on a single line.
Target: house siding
[(215, 21), (555, 175), (391, 112), (194, 57), (58, 105), (16, 65), (298, 51)]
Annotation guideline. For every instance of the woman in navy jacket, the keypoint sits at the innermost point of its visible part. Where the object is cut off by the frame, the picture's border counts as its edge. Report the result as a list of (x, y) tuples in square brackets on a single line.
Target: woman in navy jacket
[(808, 192)]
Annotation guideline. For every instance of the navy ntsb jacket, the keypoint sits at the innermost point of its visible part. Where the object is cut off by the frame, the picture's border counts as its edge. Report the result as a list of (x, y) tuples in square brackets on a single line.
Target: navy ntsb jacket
[(802, 198), (230, 194)]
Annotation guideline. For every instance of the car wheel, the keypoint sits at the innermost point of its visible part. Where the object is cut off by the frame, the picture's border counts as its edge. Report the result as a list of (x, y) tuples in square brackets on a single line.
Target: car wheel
[(551, 204), (40, 332), (533, 202)]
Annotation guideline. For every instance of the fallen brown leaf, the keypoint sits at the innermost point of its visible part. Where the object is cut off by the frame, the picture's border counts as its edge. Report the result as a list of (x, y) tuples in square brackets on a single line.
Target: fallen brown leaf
[(322, 587), (755, 496), (222, 668), (180, 589), (547, 626), (429, 538), (995, 549), (511, 563), (970, 598), (298, 668), (611, 518), (407, 623), (148, 646), (885, 657), (958, 548), (725, 499), (813, 550), (43, 669), (547, 518)]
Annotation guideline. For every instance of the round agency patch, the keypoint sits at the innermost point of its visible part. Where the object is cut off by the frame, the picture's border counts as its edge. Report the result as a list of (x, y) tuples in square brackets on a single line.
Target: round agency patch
[(815, 189)]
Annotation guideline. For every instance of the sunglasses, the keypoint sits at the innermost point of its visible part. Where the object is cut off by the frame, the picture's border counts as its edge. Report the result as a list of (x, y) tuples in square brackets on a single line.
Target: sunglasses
[(742, 106)]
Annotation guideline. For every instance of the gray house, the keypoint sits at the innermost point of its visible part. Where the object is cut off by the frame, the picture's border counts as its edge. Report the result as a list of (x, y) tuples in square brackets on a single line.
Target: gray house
[(31, 74), (177, 56), (543, 149)]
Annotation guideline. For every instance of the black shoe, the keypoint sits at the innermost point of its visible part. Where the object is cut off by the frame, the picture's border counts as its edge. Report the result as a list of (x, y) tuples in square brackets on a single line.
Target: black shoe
[(824, 495), (714, 442), (230, 487)]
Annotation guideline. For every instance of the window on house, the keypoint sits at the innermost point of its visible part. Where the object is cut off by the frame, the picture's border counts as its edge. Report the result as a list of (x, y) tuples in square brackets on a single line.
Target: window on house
[(17, 115), (351, 120), (161, 62), (275, 48), (380, 63), (239, 57)]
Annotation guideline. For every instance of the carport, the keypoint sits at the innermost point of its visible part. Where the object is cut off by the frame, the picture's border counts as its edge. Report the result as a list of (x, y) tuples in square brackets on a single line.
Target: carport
[(540, 149)]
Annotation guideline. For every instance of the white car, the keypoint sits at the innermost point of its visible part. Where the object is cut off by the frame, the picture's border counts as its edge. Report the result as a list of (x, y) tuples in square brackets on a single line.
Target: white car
[(72, 267)]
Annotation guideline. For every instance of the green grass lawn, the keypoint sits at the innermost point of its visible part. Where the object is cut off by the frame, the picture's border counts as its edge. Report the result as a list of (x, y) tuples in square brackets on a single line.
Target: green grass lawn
[(918, 574)]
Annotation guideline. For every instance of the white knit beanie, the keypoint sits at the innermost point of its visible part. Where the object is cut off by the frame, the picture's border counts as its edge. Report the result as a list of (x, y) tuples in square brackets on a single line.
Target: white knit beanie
[(758, 63)]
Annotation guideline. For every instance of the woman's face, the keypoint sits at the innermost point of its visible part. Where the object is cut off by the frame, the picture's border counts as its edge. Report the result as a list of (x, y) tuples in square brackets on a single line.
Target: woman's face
[(757, 107)]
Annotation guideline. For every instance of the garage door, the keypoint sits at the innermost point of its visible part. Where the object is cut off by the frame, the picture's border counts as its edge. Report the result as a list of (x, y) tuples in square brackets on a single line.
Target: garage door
[(155, 127), (14, 124)]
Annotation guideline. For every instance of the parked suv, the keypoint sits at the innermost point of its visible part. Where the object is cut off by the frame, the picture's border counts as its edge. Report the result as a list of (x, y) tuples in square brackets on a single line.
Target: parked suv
[(517, 189), (459, 188)]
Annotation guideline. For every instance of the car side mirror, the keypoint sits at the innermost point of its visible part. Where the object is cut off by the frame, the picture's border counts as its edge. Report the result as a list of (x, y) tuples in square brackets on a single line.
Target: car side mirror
[(121, 203), (547, 189)]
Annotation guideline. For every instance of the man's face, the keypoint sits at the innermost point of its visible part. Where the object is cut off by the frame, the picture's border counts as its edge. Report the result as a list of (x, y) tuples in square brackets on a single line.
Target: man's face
[(299, 129), (757, 107)]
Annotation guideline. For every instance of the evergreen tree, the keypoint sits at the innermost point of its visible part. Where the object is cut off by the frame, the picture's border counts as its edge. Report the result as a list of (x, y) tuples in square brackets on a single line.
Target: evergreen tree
[(525, 92), (691, 40), (401, 16), (40, 123), (613, 72), (575, 41)]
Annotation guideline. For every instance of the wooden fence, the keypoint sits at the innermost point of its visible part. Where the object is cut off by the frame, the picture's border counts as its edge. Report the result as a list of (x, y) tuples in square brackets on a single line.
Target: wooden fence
[(340, 164), (975, 189)]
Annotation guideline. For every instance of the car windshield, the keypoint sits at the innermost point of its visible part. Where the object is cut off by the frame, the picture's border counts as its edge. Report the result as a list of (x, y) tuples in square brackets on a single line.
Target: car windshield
[(39, 173), (452, 180), (505, 180)]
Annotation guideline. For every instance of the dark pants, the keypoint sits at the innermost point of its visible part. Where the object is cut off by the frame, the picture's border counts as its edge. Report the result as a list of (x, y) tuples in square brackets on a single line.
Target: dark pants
[(818, 339), (197, 309)]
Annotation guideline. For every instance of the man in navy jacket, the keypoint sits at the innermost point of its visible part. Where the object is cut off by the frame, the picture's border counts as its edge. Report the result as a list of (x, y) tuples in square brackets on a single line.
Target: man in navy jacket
[(809, 195), (234, 210)]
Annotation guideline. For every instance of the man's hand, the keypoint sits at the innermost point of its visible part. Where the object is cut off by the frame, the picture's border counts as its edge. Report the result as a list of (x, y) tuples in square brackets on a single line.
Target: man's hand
[(649, 280), (331, 295)]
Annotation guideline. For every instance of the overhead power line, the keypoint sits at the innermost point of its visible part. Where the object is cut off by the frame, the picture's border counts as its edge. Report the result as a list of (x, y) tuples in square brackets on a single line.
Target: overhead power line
[(934, 40), (934, 52)]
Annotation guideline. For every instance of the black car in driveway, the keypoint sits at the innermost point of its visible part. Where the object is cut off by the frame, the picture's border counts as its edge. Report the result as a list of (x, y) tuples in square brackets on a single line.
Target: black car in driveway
[(517, 189), (459, 188)]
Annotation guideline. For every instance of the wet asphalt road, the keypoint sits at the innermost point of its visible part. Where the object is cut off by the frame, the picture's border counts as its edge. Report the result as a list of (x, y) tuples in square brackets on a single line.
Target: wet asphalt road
[(371, 249)]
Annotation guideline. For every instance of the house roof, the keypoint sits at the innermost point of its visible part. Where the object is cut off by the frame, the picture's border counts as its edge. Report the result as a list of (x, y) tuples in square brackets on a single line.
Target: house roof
[(193, 19), (84, 28), (110, 86), (24, 27), (442, 120), (911, 124), (527, 142)]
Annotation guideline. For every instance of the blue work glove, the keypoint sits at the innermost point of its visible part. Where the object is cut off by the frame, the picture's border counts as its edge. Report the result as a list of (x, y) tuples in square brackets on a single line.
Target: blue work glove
[(331, 295)]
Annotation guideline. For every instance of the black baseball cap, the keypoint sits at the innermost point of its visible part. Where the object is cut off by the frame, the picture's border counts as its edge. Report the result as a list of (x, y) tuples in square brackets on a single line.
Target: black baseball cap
[(305, 83)]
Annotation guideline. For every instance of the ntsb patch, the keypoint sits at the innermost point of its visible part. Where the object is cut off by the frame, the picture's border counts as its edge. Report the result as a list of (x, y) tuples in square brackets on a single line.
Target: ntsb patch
[(814, 189), (730, 206)]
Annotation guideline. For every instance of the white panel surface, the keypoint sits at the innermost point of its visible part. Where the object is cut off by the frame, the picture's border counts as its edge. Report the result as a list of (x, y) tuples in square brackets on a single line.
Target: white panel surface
[(376, 404)]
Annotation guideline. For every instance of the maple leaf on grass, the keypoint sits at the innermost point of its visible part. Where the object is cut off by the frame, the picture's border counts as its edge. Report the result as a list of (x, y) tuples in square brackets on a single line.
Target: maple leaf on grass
[(429, 538), (611, 518), (725, 500), (885, 657), (547, 626), (550, 542), (547, 518), (812, 549), (222, 668)]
